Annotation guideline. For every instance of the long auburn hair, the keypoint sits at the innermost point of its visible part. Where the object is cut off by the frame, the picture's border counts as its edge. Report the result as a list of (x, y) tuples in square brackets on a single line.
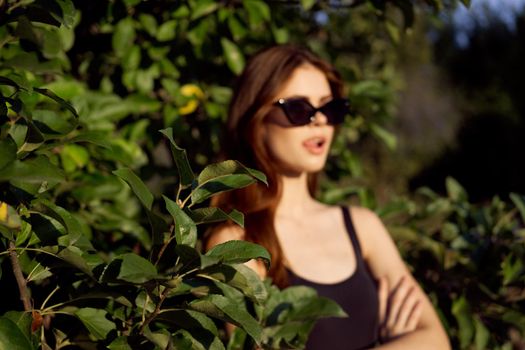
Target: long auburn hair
[(255, 92)]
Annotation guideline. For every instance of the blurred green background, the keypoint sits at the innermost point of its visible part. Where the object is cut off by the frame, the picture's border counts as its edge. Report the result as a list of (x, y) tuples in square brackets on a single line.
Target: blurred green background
[(434, 144)]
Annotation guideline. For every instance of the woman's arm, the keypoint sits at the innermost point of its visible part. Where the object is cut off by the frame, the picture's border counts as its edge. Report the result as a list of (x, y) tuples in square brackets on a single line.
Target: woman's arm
[(406, 296)]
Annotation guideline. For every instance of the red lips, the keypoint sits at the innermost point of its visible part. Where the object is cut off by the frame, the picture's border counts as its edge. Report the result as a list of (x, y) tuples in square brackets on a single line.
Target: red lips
[(315, 145)]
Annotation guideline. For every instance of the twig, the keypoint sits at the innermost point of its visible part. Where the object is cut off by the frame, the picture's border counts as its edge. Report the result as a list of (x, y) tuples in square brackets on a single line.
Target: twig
[(157, 310), (20, 280)]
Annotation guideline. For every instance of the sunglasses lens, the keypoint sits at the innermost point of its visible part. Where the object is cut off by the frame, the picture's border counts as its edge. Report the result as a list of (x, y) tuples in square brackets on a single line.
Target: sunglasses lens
[(335, 111), (298, 111)]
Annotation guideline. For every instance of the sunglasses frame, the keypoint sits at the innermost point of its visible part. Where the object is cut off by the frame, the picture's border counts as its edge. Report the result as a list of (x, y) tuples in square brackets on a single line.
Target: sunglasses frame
[(284, 104)]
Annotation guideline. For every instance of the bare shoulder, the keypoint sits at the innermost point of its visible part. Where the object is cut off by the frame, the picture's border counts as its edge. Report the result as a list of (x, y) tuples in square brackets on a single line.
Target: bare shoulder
[(224, 233), (369, 228)]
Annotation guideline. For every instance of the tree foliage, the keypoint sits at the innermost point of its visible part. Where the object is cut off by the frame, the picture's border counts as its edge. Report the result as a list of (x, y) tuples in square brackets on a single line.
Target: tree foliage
[(101, 214)]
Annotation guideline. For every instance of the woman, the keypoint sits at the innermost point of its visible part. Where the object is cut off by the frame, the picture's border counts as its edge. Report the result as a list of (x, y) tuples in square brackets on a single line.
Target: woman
[(282, 121)]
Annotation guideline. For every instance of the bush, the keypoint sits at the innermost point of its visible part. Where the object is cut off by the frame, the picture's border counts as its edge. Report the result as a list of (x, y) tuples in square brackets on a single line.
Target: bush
[(469, 258)]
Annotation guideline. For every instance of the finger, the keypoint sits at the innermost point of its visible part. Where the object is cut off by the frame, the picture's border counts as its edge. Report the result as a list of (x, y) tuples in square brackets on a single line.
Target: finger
[(407, 308), (383, 298), (396, 300), (415, 315)]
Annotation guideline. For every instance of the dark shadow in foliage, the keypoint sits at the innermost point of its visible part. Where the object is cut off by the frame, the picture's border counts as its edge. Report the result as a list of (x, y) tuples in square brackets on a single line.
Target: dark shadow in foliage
[(489, 76), (487, 160)]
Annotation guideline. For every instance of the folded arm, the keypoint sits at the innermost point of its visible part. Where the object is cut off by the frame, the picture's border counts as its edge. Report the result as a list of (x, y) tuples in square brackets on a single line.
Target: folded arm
[(408, 319)]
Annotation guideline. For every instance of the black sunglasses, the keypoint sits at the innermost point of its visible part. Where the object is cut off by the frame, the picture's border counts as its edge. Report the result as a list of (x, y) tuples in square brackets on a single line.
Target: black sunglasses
[(301, 112)]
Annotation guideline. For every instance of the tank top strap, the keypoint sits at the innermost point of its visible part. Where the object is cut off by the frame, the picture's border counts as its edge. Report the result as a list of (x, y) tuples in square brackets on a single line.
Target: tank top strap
[(351, 232)]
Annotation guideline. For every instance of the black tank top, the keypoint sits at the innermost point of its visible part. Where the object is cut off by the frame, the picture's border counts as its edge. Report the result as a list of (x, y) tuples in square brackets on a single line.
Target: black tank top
[(358, 297)]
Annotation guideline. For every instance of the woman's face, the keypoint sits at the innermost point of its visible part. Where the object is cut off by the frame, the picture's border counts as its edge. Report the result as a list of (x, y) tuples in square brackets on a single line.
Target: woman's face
[(300, 149)]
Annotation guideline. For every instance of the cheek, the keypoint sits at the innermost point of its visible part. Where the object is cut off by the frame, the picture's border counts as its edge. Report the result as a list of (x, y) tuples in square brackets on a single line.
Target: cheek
[(278, 141)]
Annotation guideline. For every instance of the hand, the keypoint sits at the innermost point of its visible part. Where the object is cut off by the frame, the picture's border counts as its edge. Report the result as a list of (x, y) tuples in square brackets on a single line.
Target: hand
[(399, 309)]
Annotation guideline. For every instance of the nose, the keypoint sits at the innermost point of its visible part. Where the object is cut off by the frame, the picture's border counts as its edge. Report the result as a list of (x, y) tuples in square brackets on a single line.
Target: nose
[(318, 119)]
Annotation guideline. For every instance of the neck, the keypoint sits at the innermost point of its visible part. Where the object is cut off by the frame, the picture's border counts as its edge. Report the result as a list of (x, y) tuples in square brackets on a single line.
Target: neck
[(295, 197)]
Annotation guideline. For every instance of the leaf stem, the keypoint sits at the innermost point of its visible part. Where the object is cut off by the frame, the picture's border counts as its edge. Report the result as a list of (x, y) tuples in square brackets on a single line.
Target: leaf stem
[(19, 276), (157, 310), (14, 248), (163, 248), (49, 297), (177, 196)]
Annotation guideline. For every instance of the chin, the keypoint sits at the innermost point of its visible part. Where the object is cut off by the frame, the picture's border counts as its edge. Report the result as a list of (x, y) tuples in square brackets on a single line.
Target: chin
[(313, 167)]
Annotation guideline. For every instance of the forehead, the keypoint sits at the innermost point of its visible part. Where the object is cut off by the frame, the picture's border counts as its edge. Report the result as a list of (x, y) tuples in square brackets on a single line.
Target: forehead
[(306, 81)]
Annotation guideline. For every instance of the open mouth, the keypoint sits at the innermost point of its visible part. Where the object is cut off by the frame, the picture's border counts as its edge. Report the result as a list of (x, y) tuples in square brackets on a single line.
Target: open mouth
[(315, 145)]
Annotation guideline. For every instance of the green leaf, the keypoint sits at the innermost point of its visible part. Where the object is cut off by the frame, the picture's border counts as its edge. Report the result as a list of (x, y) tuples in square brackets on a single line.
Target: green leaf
[(466, 3), (241, 277), (120, 343), (308, 4), (36, 171), (203, 8), (132, 2), (51, 44), (236, 252), (233, 55), (463, 315), (67, 220), (166, 31), (315, 308), (237, 339), (185, 228), (67, 88), (96, 322), (222, 184), (46, 228), (74, 157), (189, 319), (7, 151), (67, 12), (33, 139), (223, 308), (387, 137), (220, 94), (519, 202), (292, 333), (511, 268), (161, 338), (212, 214), (12, 337), (223, 176), (95, 137), (228, 167), (182, 339), (131, 60), (22, 319), (149, 23), (139, 188), (281, 35), (482, 334), (135, 269), (124, 36), (181, 160), (63, 103), (9, 82), (515, 318), (51, 123), (258, 11), (77, 258), (189, 257), (237, 29), (455, 191)]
